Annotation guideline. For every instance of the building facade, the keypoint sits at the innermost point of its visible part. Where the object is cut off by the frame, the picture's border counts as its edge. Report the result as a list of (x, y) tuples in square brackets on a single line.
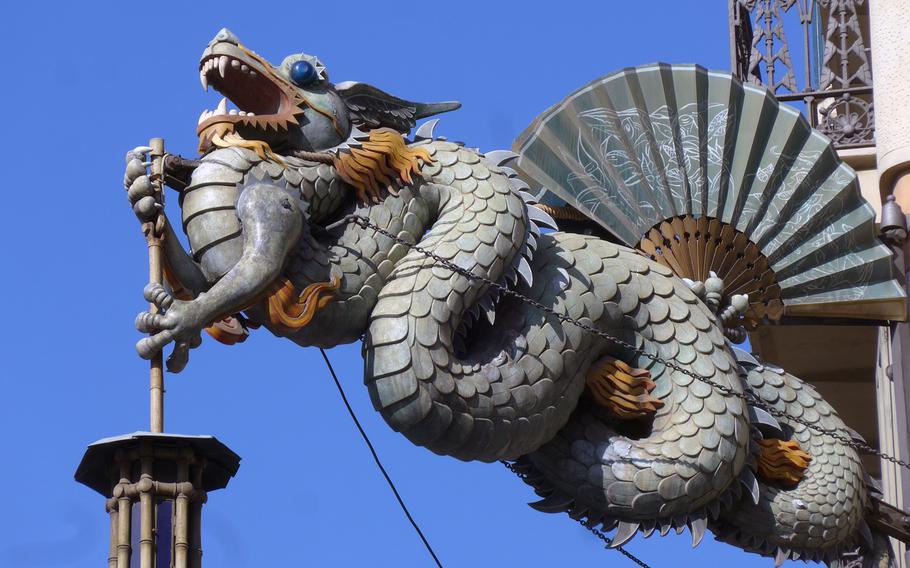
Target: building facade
[(845, 64)]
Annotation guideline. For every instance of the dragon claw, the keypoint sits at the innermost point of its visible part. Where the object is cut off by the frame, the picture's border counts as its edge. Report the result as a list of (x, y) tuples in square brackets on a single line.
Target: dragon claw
[(147, 322), (180, 356), (148, 347), (140, 191), (175, 321), (139, 152), (156, 294)]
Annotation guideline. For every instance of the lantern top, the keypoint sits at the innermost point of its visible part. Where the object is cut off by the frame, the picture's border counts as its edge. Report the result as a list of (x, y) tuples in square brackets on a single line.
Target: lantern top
[(221, 463)]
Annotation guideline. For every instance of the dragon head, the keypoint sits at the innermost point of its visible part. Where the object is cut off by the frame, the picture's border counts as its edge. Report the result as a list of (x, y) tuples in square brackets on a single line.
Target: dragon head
[(292, 106)]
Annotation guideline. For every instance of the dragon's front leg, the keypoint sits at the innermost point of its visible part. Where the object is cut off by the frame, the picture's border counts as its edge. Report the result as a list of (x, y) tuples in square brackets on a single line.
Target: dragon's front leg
[(272, 223)]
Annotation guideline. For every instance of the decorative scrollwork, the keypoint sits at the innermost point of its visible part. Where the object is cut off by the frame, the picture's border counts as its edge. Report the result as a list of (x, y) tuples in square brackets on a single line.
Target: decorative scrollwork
[(837, 89), (848, 120)]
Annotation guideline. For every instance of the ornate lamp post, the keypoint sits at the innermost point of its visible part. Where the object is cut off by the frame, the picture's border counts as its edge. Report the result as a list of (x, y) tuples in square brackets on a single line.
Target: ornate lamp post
[(156, 483)]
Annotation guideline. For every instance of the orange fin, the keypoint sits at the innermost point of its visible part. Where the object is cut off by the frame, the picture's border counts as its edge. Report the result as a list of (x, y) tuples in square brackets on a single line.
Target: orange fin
[(229, 331), (782, 461), (289, 311), (624, 390)]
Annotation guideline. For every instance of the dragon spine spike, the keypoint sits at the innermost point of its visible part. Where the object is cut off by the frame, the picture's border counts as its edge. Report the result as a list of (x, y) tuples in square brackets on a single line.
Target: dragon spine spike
[(509, 172), (529, 199), (425, 130), (624, 534), (541, 217), (704, 153), (781, 556), (697, 526), (760, 418), (524, 270), (500, 157), (555, 503), (751, 484)]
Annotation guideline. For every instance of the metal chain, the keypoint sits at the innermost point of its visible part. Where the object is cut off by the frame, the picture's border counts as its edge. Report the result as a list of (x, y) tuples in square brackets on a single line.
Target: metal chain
[(596, 532), (747, 396)]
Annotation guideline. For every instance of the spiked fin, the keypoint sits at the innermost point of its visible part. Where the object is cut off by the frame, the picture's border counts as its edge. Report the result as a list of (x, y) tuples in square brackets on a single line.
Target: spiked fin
[(524, 270), (751, 484), (555, 503), (500, 157), (697, 526), (624, 534), (541, 217), (425, 130), (765, 422)]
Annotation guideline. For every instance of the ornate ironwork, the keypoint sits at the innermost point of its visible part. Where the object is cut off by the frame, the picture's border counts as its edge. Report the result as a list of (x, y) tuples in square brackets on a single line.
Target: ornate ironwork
[(836, 82)]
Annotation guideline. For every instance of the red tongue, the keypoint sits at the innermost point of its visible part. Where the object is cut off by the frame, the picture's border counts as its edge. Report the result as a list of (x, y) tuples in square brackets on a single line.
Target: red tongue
[(256, 94)]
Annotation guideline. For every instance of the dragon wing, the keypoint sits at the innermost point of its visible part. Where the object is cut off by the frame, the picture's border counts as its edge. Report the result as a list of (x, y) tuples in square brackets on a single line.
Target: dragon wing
[(373, 108)]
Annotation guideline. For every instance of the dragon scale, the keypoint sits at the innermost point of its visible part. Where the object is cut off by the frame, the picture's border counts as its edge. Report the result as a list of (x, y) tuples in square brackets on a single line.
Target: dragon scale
[(467, 372), (513, 390)]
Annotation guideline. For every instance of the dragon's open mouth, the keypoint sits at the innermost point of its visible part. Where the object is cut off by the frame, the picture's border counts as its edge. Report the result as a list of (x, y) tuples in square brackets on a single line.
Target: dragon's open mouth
[(263, 99)]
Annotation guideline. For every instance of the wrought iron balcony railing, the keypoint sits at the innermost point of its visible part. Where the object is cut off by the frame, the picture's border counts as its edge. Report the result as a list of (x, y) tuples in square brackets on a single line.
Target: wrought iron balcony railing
[(836, 76)]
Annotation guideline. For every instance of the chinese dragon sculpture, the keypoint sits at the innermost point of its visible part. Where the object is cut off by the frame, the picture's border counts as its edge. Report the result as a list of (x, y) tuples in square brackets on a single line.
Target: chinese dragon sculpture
[(606, 433)]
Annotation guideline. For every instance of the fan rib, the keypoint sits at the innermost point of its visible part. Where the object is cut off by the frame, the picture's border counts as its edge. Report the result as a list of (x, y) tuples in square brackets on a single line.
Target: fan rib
[(752, 141), (621, 134), (789, 201), (731, 127), (673, 118), (838, 193), (798, 132), (637, 98), (826, 244)]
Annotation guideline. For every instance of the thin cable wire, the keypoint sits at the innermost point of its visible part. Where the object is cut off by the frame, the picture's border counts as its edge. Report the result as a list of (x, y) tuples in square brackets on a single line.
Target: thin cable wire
[(385, 474), (599, 534), (747, 396), (595, 531)]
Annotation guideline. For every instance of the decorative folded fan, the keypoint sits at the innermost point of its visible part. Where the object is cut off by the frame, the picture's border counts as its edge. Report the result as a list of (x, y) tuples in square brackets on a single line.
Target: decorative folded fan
[(703, 173)]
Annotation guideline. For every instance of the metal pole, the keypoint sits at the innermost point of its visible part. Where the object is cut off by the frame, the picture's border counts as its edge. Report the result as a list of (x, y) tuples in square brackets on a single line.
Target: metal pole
[(196, 517), (181, 528), (124, 525), (153, 236), (147, 513), (112, 551)]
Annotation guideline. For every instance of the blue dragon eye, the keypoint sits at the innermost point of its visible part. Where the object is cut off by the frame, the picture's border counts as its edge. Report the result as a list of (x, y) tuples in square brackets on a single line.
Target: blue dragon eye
[(303, 72)]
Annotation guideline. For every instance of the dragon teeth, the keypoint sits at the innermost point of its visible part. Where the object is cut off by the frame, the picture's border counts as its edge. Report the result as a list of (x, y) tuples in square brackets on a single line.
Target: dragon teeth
[(222, 65), (222, 106)]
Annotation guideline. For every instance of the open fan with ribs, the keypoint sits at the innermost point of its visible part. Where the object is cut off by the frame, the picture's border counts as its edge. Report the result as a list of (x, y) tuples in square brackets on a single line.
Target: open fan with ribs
[(706, 174)]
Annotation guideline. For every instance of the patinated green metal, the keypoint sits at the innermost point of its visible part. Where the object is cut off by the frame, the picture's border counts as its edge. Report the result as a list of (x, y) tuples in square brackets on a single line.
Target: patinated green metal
[(460, 369)]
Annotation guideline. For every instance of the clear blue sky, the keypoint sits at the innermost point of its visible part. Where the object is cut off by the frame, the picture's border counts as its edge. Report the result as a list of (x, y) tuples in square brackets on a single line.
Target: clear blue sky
[(83, 83)]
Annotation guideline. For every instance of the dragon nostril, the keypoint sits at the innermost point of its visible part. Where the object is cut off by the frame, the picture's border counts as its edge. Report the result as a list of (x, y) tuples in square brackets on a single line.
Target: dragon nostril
[(225, 34)]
